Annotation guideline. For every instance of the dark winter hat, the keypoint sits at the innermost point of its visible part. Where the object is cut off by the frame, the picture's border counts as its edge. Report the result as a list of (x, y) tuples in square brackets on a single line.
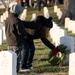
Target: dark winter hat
[(15, 8), (44, 22)]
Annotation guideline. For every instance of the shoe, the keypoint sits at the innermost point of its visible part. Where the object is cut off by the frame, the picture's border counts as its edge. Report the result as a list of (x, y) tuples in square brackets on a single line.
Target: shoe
[(25, 70), (30, 66)]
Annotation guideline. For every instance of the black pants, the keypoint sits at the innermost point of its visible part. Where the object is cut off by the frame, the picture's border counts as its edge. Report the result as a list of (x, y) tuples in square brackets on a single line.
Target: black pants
[(27, 54)]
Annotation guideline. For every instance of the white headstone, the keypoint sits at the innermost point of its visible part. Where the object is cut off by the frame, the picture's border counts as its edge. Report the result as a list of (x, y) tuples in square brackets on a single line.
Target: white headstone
[(8, 63), (2, 19), (70, 25), (33, 17), (67, 19), (4, 36), (23, 15), (1, 36), (60, 14), (4, 16), (72, 64), (69, 42), (46, 13), (6, 12), (73, 27), (55, 8), (60, 33)]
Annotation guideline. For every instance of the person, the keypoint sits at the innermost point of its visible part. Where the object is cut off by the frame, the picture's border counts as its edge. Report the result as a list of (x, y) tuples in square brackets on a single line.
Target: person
[(15, 31), (38, 3), (44, 25)]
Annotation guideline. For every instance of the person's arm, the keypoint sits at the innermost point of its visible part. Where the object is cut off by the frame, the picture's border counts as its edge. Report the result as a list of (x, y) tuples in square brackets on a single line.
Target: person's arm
[(20, 29), (51, 46), (31, 24), (47, 43)]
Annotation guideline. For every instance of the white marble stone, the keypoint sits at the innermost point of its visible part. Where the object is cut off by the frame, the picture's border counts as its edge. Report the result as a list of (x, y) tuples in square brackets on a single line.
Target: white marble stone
[(4, 16), (1, 36), (55, 8), (46, 12), (33, 17), (69, 42), (72, 64), (2, 19), (61, 33), (60, 14), (73, 27), (4, 36), (70, 25), (6, 12), (67, 19), (8, 63), (23, 15)]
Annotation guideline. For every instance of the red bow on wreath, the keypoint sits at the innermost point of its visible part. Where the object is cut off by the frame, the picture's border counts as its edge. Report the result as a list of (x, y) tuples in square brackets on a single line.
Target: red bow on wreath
[(55, 51)]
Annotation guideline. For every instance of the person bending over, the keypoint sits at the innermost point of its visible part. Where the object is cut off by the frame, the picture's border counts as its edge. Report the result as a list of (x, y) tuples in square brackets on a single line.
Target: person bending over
[(42, 32)]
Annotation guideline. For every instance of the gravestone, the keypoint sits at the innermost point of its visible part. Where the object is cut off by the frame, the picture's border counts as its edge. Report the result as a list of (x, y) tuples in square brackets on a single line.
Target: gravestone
[(4, 36), (23, 15), (72, 64), (67, 19), (68, 41), (60, 33), (55, 8), (6, 12), (4, 16), (1, 36), (46, 12), (2, 19), (73, 27), (59, 14), (33, 17), (8, 63), (70, 25)]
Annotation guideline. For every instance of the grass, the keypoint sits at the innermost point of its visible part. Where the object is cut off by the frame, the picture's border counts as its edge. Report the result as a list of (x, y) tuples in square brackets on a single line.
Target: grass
[(40, 62)]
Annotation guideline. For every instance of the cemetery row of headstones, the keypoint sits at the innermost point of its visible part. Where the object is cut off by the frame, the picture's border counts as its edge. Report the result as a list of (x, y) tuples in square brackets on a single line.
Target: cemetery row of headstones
[(58, 11), (66, 40), (58, 35), (70, 25)]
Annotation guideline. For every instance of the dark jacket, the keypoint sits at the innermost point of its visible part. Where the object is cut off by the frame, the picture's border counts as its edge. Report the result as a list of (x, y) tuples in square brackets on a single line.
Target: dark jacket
[(14, 30), (37, 33)]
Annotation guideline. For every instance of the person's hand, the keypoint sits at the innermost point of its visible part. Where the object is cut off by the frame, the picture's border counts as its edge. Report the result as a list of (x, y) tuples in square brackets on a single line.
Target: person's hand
[(55, 51)]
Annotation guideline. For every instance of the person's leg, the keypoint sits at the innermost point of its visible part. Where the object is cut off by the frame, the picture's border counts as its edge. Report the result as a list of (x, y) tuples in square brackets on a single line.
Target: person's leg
[(24, 55), (27, 3), (31, 55), (44, 2), (22, 3), (38, 5)]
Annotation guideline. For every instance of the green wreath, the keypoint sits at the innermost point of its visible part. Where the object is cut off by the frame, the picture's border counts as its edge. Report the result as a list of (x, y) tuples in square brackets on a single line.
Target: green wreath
[(60, 56)]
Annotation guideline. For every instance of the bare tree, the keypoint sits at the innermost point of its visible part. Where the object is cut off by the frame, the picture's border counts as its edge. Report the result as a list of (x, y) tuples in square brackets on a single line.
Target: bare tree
[(69, 10)]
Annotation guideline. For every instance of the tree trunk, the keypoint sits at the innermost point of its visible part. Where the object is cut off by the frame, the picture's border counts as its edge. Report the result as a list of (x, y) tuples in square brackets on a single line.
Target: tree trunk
[(69, 10)]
